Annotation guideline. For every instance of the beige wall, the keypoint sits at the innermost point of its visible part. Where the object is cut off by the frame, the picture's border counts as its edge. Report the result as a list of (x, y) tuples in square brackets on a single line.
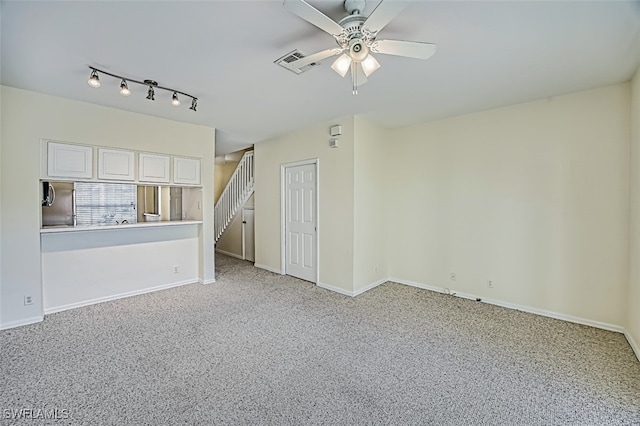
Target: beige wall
[(532, 196), (231, 240), (371, 178), (633, 298), (336, 184), (27, 117)]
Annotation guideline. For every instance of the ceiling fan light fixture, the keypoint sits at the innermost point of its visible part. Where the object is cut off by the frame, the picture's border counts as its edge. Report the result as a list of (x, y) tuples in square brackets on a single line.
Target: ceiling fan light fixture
[(342, 64), (94, 80), (124, 88), (356, 35), (369, 65)]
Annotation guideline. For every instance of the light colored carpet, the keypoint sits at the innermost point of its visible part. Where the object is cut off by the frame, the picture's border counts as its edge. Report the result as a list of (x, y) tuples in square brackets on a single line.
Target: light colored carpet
[(260, 348)]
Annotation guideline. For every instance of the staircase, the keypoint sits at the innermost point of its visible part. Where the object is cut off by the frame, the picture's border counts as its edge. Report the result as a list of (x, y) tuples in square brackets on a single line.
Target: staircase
[(235, 194)]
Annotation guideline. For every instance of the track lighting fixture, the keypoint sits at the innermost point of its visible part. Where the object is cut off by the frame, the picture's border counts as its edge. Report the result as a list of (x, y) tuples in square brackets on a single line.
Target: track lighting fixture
[(174, 99), (124, 89), (94, 81)]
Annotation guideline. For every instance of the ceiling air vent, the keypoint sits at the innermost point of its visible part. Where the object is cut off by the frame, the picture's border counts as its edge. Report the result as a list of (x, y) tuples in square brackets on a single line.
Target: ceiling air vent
[(294, 55)]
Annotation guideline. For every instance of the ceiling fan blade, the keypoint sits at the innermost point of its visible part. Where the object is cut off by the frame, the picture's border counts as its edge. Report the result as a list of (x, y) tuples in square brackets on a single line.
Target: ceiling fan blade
[(313, 16), (410, 49), (316, 57), (383, 14)]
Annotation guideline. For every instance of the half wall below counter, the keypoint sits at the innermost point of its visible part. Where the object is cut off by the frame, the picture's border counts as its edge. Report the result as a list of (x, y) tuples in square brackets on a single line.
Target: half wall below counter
[(84, 266)]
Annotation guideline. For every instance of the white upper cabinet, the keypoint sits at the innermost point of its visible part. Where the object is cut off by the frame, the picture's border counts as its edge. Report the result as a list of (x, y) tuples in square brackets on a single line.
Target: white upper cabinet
[(69, 161), (186, 171), (116, 164), (153, 168)]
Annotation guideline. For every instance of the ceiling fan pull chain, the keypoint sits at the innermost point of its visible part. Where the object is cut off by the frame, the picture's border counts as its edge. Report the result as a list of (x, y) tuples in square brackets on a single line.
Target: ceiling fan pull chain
[(354, 77)]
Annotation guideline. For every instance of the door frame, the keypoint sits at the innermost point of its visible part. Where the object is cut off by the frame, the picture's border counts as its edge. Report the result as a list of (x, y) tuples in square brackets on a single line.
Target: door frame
[(283, 213)]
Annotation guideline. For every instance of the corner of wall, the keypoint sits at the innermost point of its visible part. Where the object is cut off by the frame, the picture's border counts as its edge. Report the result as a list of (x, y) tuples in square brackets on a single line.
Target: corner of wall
[(1, 168), (335, 180), (633, 296), (370, 205)]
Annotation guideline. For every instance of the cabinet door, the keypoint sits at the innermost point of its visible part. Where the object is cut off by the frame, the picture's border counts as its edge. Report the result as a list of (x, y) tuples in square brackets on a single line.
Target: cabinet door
[(115, 164), (153, 168), (186, 171), (70, 161)]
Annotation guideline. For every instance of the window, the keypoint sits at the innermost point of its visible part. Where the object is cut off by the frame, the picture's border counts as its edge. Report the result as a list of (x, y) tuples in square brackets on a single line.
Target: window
[(105, 203)]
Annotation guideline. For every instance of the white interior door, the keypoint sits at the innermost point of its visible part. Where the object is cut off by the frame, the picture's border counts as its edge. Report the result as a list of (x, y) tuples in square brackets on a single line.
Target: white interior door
[(248, 243), (300, 221)]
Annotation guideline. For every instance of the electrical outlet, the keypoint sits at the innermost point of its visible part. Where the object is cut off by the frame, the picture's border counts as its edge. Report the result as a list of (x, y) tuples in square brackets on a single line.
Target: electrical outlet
[(490, 284), (28, 300), (452, 276), (175, 269)]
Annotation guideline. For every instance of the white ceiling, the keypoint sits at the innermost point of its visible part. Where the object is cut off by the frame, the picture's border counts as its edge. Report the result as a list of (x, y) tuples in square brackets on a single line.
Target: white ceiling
[(490, 54)]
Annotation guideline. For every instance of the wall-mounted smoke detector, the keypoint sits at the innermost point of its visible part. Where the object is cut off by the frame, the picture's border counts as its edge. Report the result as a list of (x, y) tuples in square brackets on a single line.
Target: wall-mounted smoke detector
[(293, 56)]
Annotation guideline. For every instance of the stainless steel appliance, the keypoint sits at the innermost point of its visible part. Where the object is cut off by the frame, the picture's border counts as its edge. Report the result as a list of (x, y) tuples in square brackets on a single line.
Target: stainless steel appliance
[(58, 204)]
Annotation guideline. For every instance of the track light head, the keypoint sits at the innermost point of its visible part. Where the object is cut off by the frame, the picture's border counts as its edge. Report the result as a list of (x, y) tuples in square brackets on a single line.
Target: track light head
[(194, 104), (94, 80), (151, 94), (174, 99), (124, 89)]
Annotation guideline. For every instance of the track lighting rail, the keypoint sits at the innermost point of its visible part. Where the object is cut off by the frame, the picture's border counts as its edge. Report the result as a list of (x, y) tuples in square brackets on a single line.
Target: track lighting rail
[(94, 81)]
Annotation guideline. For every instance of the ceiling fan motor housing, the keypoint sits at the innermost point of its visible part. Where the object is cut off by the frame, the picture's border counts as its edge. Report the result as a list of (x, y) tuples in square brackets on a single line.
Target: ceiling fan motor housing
[(358, 50)]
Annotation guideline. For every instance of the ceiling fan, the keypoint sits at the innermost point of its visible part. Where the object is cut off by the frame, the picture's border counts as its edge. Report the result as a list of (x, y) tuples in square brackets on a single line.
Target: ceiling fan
[(356, 36)]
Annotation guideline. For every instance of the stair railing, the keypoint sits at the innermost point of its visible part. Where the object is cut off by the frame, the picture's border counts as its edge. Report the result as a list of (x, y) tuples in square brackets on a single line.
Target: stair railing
[(235, 194)]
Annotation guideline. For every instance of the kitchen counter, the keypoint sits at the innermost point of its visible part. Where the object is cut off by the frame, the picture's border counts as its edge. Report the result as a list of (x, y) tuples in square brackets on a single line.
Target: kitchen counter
[(67, 228)]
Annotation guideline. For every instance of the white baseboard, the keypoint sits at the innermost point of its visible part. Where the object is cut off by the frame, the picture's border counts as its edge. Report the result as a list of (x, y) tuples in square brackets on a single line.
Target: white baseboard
[(20, 323), (268, 268), (205, 282), (335, 289), (116, 296), (369, 287), (634, 345), (351, 293), (228, 253), (529, 309)]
